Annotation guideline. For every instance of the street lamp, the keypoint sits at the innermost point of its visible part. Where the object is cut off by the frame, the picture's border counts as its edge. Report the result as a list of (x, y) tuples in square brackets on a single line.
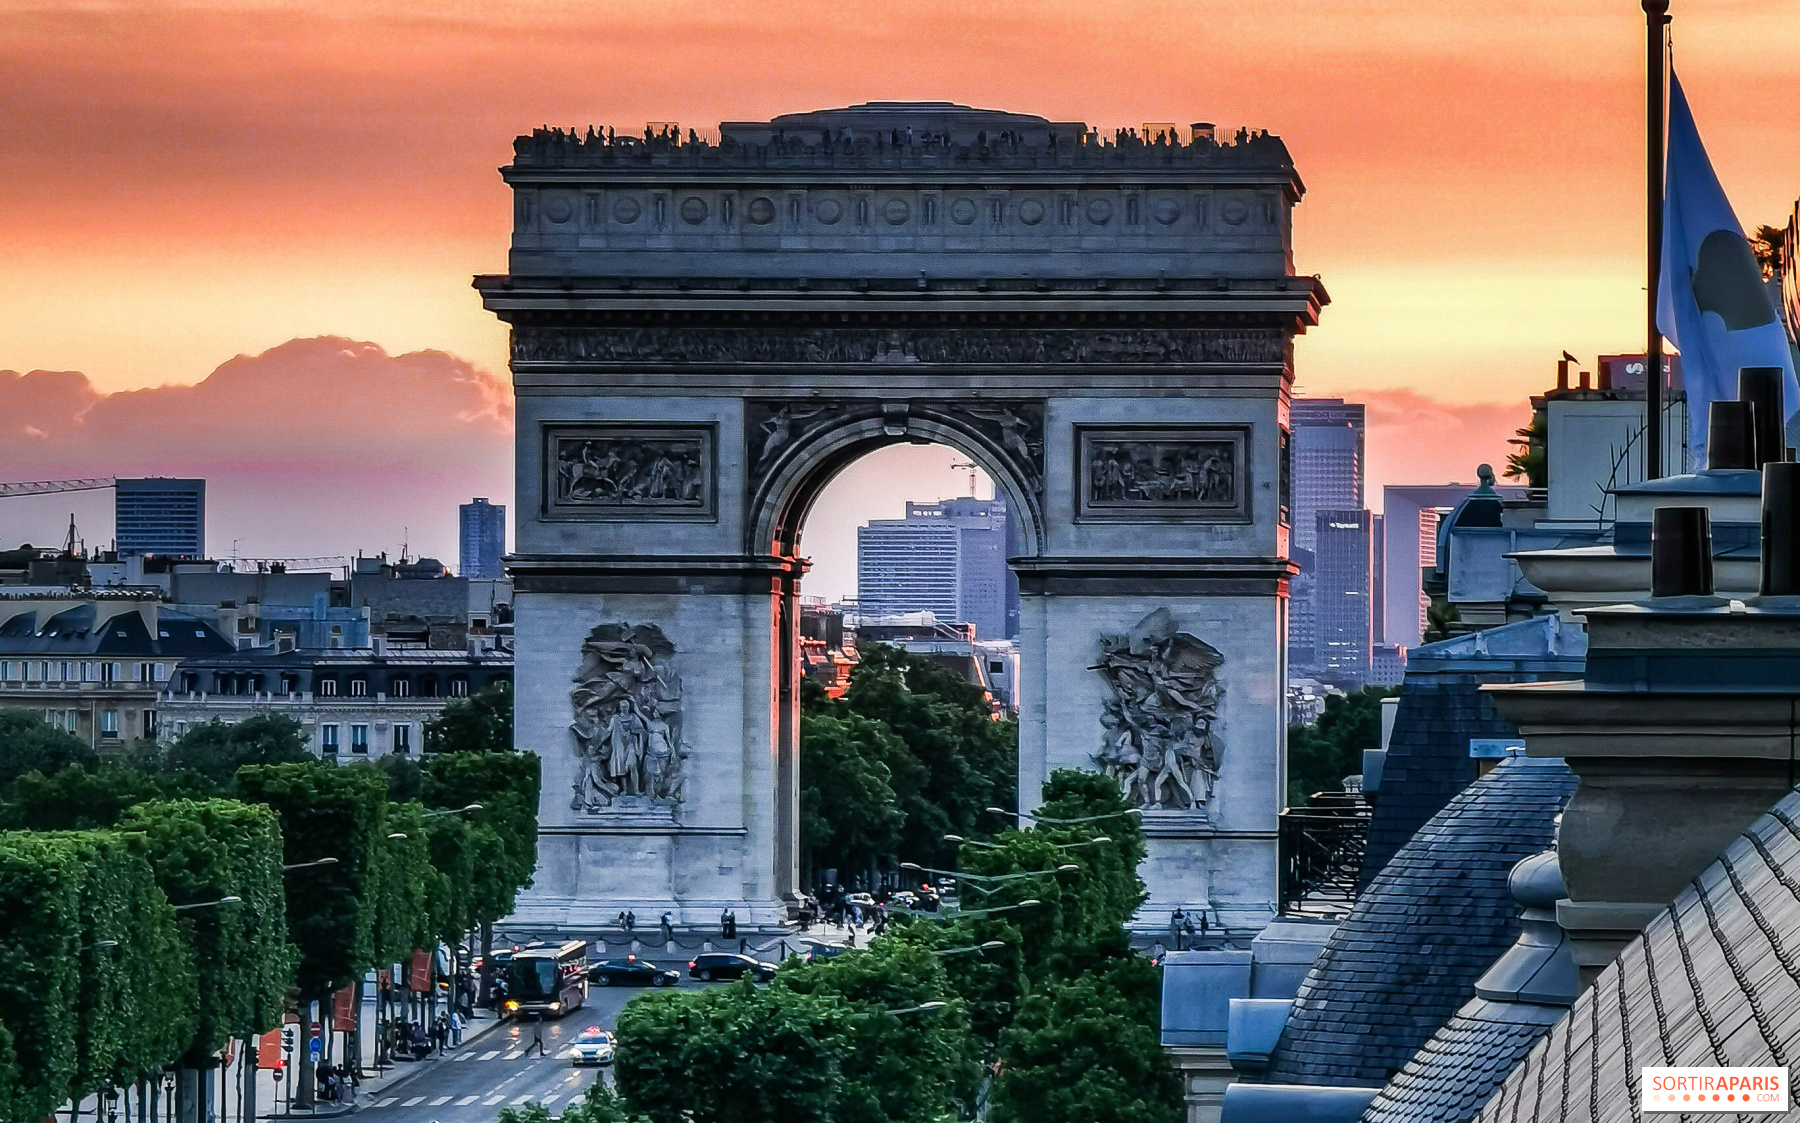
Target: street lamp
[(948, 917), (309, 865), (210, 904), (897, 1011), (1064, 822), (975, 842), (396, 834), (452, 811), (987, 876), (988, 946)]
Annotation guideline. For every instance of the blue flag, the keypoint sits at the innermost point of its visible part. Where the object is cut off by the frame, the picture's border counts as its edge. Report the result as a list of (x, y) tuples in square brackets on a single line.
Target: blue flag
[(1711, 302)]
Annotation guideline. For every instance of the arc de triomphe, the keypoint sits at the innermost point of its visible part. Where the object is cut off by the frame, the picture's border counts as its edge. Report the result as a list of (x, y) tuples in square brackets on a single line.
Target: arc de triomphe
[(704, 334)]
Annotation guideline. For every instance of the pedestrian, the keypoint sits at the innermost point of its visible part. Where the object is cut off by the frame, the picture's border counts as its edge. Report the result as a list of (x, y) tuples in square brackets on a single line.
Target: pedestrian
[(1187, 926), (743, 945), (668, 928), (537, 1038), (440, 1031), (619, 921), (1203, 924), (630, 922), (880, 921), (456, 1027), (1175, 919)]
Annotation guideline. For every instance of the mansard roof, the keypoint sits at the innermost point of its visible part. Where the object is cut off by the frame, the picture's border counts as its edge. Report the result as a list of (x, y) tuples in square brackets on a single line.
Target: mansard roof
[(1713, 980), (1432, 922)]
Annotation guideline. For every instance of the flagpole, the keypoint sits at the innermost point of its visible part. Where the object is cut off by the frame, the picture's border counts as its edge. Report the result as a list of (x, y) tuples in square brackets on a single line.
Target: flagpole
[(1656, 17)]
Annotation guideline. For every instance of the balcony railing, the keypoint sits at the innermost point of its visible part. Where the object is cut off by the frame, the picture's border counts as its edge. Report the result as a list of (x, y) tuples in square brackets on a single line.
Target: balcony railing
[(1321, 854)]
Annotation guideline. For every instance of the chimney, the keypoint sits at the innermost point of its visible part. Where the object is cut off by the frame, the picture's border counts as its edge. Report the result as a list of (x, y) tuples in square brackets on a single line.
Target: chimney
[(1585, 380), (1681, 563), (1761, 386), (1562, 374), (1731, 438), (1681, 727)]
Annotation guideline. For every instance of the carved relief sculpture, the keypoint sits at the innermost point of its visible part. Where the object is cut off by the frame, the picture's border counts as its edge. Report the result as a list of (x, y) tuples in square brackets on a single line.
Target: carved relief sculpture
[(627, 726), (618, 471), (1180, 472), (1158, 725)]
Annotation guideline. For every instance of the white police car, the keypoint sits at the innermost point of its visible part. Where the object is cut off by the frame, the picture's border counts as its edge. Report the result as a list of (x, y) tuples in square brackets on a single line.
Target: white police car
[(593, 1046)]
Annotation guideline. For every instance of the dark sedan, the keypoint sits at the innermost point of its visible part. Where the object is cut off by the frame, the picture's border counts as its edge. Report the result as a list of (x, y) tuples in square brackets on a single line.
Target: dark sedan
[(711, 965), (631, 972)]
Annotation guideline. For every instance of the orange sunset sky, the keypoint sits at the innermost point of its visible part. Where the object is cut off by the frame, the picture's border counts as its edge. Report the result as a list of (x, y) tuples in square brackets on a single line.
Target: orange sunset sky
[(181, 183)]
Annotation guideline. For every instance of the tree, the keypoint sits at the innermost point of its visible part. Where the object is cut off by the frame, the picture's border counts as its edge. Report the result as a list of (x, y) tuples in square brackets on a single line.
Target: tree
[(914, 1067), (849, 814), (28, 743), (216, 750), (1531, 463), (1768, 244), (204, 851), (733, 1054), (506, 786), (1322, 754), (481, 723), (969, 760), (409, 887), (79, 797), (40, 943), (1086, 1050)]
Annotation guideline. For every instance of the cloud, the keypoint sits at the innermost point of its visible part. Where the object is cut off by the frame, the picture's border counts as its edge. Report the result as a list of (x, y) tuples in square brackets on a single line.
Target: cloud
[(319, 446), (1414, 439)]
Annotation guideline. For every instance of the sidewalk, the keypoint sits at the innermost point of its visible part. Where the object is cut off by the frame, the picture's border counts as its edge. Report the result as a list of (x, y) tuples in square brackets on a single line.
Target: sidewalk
[(397, 1075)]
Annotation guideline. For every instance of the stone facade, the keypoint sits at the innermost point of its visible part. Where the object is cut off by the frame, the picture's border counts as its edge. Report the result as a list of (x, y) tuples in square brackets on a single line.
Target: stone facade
[(1104, 326)]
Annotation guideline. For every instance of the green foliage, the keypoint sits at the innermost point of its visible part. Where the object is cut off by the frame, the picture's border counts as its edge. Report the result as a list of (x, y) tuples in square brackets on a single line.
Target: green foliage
[(452, 846), (80, 797), (1086, 1050), (405, 777), (216, 750), (958, 760), (408, 888), (916, 1067), (733, 1054), (480, 723), (206, 850), (327, 811), (1322, 754), (1532, 462), (28, 743), (849, 813), (504, 831), (11, 1080), (40, 943)]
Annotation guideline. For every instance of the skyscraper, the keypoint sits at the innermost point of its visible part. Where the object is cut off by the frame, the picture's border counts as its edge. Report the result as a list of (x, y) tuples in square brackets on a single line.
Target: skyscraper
[(1340, 594), (946, 558), (160, 516), (1326, 451), (482, 542)]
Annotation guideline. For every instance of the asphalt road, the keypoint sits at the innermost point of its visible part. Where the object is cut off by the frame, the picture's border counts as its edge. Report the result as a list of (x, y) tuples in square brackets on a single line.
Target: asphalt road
[(494, 1072)]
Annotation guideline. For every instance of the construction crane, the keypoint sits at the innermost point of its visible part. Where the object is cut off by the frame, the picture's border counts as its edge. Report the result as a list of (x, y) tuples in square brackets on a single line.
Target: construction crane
[(52, 487), (973, 469)]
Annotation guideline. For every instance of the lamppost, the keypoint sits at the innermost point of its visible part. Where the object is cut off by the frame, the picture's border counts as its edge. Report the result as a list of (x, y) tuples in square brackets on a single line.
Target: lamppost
[(1041, 818), (990, 945), (210, 904), (977, 843)]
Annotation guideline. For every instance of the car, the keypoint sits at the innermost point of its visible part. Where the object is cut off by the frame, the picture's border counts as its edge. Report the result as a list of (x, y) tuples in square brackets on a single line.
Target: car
[(711, 965), (593, 1046), (631, 972), (814, 952)]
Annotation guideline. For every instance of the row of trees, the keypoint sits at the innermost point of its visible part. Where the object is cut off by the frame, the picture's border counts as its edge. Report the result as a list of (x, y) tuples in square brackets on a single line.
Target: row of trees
[(157, 905), (910, 753), (1029, 1004), (1320, 755)]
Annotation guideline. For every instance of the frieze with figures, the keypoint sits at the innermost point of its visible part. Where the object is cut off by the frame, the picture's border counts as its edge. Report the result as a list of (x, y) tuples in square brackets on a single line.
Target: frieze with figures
[(1158, 727), (627, 721), (1184, 473), (961, 346), (628, 471)]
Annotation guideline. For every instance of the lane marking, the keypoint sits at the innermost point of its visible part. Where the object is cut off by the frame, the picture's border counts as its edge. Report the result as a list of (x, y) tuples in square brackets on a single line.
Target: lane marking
[(525, 1099), (490, 1054), (466, 1101), (493, 1101), (440, 1101), (384, 1101), (549, 1099), (515, 1054), (414, 1102), (464, 1057)]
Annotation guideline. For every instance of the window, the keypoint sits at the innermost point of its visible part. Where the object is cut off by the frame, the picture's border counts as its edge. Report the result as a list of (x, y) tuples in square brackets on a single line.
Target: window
[(6, 670), (190, 682), (289, 683), (109, 723), (156, 672), (68, 672), (44, 672), (328, 689), (72, 720), (428, 686), (90, 672), (150, 723), (359, 687), (400, 688), (459, 687), (996, 667), (359, 738), (403, 739), (328, 739)]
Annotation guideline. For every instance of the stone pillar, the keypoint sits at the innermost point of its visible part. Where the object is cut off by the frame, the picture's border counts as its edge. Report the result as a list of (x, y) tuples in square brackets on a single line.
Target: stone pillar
[(787, 740), (1204, 1073)]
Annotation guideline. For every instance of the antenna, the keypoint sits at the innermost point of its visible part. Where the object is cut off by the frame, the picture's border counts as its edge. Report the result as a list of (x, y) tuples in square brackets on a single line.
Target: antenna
[(973, 468), (73, 544)]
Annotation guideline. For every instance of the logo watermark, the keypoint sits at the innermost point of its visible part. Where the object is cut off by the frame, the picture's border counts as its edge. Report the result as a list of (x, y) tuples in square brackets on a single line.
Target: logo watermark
[(1695, 1090)]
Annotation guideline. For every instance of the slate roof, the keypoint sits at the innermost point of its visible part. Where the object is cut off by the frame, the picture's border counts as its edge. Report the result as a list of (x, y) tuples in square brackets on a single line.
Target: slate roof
[(1442, 707), (89, 629), (1713, 980), (1409, 953), (1457, 1071)]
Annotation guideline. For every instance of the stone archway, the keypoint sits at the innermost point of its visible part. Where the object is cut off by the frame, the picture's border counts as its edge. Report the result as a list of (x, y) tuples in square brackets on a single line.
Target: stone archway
[(703, 335)]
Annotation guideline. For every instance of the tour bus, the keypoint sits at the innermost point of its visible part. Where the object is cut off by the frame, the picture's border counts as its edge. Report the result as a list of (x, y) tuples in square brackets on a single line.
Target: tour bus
[(547, 981)]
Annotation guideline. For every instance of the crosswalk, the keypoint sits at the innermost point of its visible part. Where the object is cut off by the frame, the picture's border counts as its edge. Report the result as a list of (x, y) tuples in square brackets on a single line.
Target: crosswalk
[(563, 1086)]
